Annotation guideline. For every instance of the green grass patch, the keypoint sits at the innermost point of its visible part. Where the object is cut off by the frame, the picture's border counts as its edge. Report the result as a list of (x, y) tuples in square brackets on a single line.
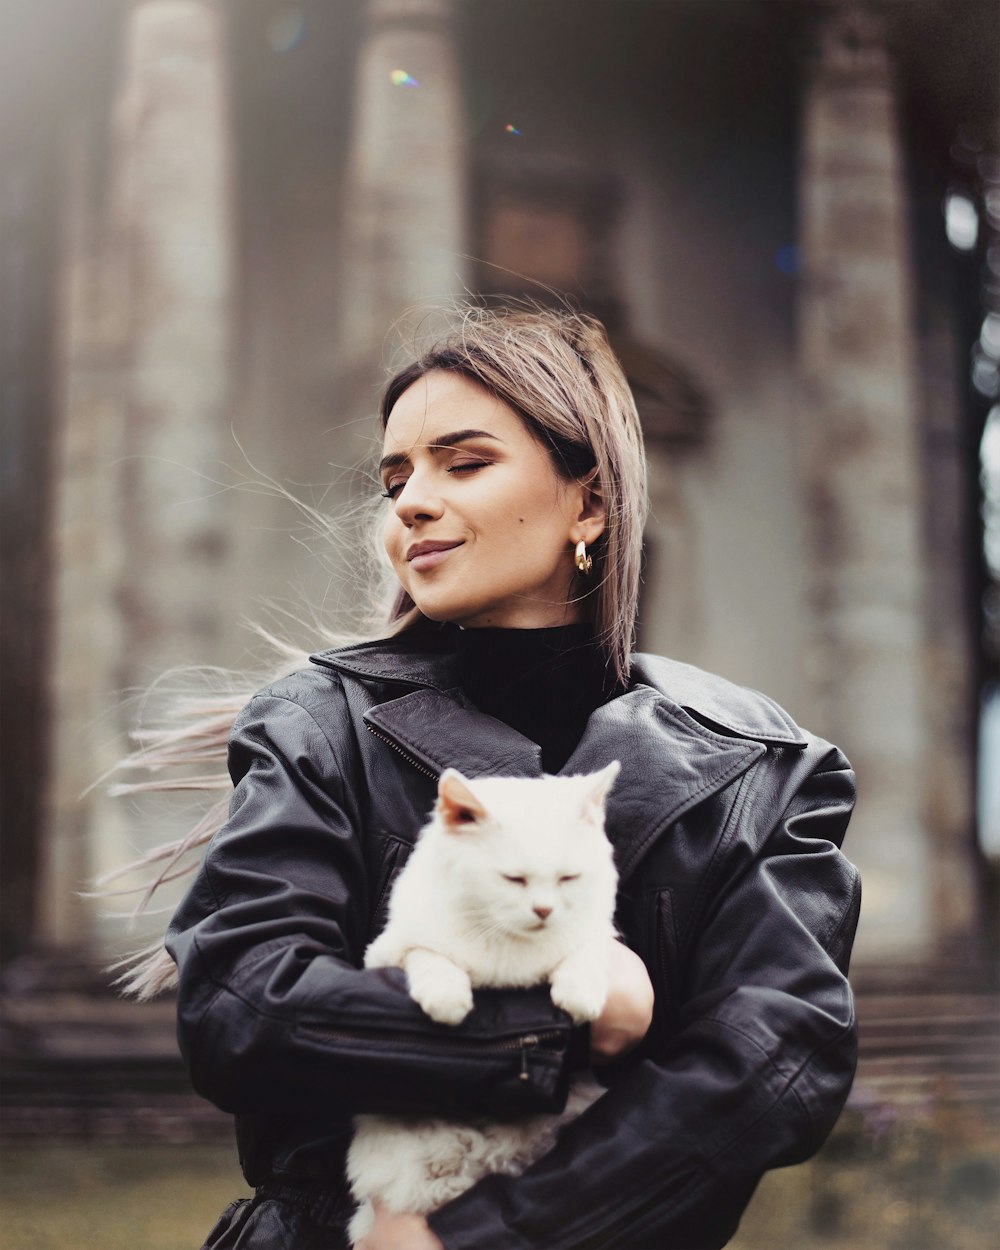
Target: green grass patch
[(884, 1181), (84, 1196)]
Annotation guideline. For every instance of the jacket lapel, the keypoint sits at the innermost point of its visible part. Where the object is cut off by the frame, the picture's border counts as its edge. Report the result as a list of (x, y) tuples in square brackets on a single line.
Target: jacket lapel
[(442, 731), (669, 761)]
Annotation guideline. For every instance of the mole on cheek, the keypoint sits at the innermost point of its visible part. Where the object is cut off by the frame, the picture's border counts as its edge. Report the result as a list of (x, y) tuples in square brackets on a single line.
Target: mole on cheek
[(521, 520)]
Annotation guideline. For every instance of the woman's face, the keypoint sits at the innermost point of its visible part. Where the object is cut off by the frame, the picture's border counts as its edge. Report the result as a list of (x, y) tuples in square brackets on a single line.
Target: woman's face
[(480, 528)]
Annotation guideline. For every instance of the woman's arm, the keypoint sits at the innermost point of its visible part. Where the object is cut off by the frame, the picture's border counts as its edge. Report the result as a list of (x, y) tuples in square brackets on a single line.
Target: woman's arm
[(275, 1012), (754, 1077)]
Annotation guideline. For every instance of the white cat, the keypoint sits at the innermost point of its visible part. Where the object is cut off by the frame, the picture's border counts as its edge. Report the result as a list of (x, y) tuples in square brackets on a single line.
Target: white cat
[(512, 883)]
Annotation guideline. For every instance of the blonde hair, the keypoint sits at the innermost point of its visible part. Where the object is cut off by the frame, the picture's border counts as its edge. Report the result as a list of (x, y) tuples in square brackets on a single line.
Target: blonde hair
[(556, 369)]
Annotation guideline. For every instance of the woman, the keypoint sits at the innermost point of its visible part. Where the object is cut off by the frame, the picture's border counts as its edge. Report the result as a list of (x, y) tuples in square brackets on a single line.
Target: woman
[(513, 472)]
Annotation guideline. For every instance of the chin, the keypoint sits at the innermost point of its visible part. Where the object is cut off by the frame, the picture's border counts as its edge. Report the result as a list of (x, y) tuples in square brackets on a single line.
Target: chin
[(456, 613)]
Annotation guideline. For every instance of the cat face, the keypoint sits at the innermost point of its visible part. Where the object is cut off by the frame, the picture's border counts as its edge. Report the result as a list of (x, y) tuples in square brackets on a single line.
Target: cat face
[(527, 857)]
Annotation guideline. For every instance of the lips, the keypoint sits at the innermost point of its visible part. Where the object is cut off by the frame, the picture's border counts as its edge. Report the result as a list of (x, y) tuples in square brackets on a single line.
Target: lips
[(426, 555), (426, 548)]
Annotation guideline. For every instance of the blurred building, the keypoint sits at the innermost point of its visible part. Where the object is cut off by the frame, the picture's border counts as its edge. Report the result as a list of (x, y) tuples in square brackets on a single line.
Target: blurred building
[(213, 212)]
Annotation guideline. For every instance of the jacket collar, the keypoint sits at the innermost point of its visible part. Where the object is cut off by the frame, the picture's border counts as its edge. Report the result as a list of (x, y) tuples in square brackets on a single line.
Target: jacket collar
[(676, 745), (428, 661)]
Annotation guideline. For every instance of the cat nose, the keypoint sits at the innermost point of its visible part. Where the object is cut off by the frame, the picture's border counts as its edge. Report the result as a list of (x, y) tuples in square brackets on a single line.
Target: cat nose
[(542, 913)]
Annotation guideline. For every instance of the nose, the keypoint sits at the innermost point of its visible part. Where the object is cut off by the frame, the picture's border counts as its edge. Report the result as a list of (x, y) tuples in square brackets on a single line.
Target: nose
[(542, 913), (418, 501)]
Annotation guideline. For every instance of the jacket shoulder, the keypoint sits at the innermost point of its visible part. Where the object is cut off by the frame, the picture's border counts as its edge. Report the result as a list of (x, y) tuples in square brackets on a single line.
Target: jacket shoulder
[(317, 691), (719, 703)]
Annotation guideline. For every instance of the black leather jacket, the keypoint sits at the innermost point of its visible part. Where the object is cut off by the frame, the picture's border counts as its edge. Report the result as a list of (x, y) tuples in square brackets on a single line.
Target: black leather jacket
[(726, 820)]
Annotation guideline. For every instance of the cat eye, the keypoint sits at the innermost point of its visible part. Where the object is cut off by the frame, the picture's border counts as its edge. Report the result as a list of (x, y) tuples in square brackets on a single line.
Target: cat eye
[(515, 880), (574, 877)]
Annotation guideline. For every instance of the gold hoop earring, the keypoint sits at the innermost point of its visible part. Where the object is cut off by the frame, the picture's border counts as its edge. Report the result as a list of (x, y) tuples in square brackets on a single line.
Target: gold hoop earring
[(583, 562)]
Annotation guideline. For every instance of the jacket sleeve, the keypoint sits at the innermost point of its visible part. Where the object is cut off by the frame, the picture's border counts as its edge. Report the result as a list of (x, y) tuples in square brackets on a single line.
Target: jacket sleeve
[(753, 1077), (275, 1013)]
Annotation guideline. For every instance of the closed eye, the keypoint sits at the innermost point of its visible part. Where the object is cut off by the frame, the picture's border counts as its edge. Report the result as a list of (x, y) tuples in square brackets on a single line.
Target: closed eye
[(573, 877), (515, 880), (472, 466)]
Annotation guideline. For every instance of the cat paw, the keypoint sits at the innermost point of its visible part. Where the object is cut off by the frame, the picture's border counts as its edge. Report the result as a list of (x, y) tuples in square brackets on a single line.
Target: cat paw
[(440, 987), (382, 953), (446, 1005), (579, 994)]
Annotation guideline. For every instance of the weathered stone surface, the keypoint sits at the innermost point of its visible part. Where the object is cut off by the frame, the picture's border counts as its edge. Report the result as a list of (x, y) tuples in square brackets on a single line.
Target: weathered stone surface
[(174, 226), (145, 316), (88, 554), (405, 217), (862, 470)]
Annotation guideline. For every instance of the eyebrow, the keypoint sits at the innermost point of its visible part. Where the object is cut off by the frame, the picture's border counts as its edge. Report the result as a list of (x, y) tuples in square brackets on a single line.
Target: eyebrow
[(446, 440)]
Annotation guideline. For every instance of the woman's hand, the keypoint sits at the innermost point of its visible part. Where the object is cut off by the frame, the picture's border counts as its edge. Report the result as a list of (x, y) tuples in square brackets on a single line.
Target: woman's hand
[(398, 1232), (628, 1010)]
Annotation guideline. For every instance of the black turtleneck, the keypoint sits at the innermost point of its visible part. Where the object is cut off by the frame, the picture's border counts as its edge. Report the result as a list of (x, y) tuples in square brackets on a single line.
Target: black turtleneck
[(542, 682)]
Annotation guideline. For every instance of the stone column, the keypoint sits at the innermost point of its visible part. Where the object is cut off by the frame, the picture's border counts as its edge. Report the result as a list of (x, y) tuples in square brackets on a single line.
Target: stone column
[(405, 209), (145, 301), (861, 449), (84, 830), (950, 778), (174, 225)]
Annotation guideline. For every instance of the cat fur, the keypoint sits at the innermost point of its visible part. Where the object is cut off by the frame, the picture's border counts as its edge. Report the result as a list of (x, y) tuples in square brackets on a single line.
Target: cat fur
[(511, 884)]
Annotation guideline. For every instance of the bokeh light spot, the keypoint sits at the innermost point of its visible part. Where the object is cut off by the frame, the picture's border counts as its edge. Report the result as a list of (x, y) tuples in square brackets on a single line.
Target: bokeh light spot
[(961, 221), (788, 260), (511, 129), (984, 374), (992, 201), (400, 78), (989, 336), (989, 466)]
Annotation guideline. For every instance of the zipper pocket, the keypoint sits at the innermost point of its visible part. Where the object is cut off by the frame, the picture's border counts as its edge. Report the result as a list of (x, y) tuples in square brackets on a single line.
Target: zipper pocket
[(666, 940), (526, 1043), (389, 866), (663, 935), (389, 883), (389, 742)]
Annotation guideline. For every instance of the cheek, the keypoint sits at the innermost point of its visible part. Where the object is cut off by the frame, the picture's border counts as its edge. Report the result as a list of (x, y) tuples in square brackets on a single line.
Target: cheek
[(511, 901), (579, 895), (392, 533), (520, 504), (529, 528)]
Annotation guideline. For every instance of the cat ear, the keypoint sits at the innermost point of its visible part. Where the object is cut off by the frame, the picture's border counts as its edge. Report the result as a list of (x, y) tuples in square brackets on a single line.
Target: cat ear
[(457, 806), (598, 785)]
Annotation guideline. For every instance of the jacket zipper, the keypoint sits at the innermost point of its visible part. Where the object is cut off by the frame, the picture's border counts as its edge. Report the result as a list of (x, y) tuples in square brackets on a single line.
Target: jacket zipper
[(421, 768), (525, 1044), (382, 894), (664, 944)]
